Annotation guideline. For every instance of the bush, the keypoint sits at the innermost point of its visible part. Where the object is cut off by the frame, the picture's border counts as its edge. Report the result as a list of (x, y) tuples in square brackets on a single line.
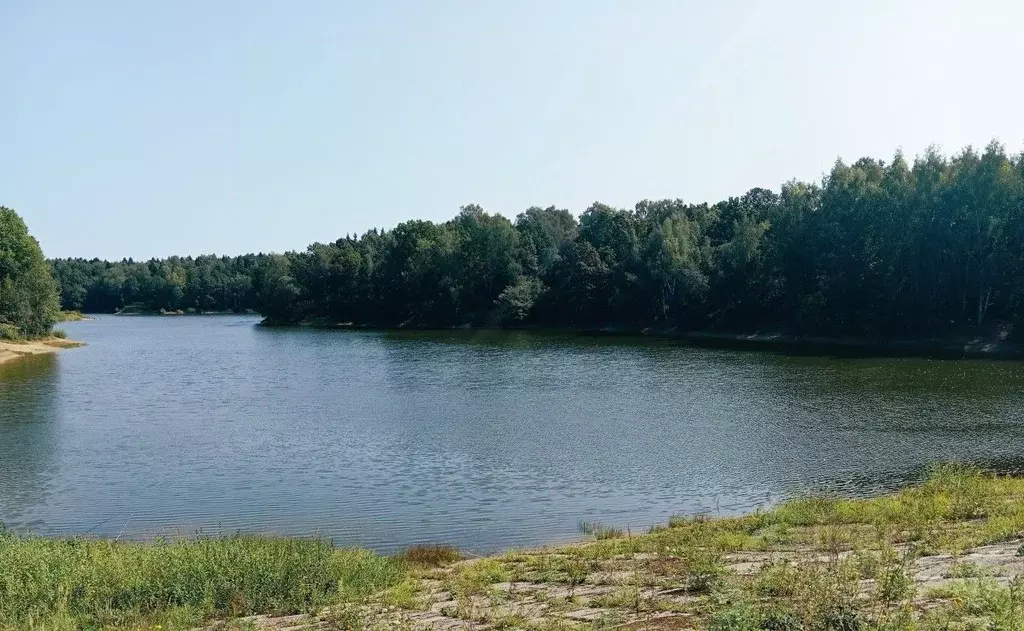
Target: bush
[(739, 617), (430, 555), (10, 332)]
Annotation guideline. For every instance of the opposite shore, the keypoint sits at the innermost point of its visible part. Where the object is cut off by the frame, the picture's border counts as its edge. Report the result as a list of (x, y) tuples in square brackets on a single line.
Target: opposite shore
[(953, 347)]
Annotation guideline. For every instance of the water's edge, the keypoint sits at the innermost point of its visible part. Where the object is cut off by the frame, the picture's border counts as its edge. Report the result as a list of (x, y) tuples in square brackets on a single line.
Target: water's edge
[(10, 351), (933, 348)]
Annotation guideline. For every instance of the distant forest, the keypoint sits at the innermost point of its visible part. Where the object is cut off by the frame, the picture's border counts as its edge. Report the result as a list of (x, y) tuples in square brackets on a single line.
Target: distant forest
[(878, 248)]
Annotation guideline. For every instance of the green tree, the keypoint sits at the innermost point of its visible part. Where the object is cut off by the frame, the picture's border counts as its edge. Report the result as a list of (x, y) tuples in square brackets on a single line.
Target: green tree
[(515, 303), (29, 295), (876, 248), (488, 259), (543, 232), (675, 260)]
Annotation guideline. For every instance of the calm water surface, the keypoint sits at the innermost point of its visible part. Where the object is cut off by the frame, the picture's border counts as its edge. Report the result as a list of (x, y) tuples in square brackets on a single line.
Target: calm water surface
[(486, 440)]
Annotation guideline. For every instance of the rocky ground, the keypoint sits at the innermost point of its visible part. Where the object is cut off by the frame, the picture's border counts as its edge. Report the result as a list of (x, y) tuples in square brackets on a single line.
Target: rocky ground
[(630, 592)]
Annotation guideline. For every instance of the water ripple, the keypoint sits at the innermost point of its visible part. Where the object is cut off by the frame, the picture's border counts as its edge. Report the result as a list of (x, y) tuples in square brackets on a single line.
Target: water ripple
[(165, 426)]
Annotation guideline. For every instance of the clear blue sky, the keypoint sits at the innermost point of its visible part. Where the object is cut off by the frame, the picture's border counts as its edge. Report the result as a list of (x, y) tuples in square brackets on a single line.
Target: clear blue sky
[(194, 126)]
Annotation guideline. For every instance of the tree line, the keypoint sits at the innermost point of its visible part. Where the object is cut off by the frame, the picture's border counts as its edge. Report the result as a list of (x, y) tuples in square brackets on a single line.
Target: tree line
[(200, 284), (932, 247)]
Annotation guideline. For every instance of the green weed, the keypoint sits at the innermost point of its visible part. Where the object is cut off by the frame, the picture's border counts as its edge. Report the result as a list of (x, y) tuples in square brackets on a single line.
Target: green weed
[(599, 531), (106, 584)]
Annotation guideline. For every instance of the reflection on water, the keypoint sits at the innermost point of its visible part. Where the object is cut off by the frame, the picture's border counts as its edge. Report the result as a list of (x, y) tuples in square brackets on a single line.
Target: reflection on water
[(28, 434), (484, 439)]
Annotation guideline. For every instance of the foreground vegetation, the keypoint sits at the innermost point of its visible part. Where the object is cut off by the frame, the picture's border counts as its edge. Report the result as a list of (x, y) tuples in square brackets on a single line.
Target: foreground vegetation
[(943, 554), (910, 560), (889, 249), (69, 584)]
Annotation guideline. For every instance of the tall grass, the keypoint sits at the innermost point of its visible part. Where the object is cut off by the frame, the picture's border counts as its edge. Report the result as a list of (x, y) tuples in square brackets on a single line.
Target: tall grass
[(431, 555), (94, 584), (949, 493), (599, 530)]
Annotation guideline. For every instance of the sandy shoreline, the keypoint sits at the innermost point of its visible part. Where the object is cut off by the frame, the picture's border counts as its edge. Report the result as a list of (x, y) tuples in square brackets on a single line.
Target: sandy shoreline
[(14, 350)]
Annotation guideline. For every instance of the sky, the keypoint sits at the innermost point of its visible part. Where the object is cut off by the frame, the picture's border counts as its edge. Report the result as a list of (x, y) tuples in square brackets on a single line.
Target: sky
[(146, 129)]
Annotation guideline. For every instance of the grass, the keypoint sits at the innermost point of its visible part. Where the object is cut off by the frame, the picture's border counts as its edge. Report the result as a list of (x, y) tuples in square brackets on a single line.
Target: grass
[(71, 316), (431, 555), (58, 340), (979, 604), (821, 564), (59, 584), (598, 530), (11, 333), (56, 337), (814, 564)]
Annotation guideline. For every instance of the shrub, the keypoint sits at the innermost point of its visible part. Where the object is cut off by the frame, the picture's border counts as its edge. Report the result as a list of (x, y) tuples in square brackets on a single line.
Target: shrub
[(738, 617), (431, 555), (10, 332)]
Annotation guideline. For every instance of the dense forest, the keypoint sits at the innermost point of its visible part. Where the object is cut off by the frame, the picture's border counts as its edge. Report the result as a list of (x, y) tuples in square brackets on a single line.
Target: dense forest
[(28, 293), (201, 284), (876, 249)]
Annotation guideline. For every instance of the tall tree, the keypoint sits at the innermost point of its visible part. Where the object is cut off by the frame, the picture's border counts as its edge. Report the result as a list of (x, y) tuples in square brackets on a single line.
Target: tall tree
[(29, 295), (894, 249)]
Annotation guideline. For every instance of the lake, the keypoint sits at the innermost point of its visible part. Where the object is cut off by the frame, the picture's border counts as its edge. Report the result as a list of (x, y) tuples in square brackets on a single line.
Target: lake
[(487, 440)]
